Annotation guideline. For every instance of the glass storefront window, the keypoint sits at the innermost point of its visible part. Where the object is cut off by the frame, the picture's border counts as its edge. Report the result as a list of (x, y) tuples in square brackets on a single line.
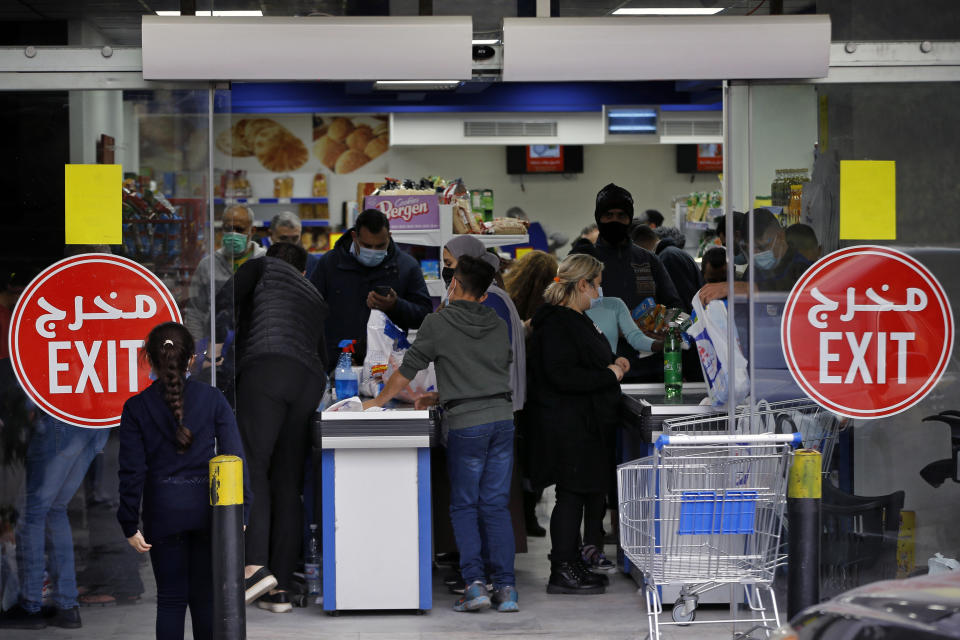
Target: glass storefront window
[(897, 509), (56, 479)]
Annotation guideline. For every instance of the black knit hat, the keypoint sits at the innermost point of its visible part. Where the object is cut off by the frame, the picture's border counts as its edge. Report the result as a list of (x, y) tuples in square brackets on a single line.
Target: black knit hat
[(613, 197)]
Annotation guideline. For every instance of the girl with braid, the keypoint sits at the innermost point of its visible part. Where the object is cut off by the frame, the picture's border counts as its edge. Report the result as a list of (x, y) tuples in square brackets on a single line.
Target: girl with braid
[(168, 433)]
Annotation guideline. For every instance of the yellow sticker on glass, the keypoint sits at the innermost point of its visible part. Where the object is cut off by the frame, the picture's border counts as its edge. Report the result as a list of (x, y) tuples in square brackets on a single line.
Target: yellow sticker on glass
[(868, 200), (522, 251), (92, 203)]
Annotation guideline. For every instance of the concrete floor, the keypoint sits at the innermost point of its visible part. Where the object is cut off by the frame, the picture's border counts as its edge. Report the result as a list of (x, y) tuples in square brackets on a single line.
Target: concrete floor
[(616, 615)]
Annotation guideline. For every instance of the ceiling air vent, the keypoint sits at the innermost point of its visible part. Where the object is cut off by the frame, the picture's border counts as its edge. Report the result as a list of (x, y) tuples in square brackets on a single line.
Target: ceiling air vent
[(691, 128), (508, 129)]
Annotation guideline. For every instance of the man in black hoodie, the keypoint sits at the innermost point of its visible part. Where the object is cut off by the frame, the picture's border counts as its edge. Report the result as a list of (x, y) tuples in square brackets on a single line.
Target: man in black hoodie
[(348, 275), (629, 272)]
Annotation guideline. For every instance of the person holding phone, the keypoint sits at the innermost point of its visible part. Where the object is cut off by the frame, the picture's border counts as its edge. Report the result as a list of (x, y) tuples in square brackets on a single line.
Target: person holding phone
[(365, 271)]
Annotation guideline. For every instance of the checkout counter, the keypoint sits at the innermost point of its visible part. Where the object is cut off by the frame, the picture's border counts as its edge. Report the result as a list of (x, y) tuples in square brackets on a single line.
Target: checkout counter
[(375, 468), (644, 408)]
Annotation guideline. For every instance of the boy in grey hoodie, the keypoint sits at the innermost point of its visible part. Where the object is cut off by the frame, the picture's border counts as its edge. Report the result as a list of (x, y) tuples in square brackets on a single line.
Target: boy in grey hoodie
[(470, 349)]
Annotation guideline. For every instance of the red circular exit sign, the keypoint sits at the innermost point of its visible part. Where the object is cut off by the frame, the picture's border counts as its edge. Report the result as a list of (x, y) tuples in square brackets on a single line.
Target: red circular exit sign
[(867, 331), (76, 335)]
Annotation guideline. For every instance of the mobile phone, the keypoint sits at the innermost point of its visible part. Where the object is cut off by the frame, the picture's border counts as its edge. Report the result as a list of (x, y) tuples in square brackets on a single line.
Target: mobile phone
[(383, 290)]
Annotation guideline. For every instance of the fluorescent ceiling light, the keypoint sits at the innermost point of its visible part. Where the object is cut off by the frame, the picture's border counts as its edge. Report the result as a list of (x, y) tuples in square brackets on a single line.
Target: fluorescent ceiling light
[(491, 41), (421, 85), (218, 14), (668, 11)]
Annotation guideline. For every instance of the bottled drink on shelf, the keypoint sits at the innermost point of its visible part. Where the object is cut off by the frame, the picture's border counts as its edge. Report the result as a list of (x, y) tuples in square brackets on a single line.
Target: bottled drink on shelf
[(672, 366), (311, 563)]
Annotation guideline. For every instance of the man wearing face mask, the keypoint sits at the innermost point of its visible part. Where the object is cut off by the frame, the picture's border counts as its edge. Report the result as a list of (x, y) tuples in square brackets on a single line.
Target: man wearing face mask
[(364, 270), (776, 265), (630, 273), (236, 247)]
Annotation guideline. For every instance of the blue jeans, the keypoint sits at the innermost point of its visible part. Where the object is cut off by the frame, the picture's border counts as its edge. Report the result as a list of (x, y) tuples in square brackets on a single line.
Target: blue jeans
[(57, 459), (480, 463)]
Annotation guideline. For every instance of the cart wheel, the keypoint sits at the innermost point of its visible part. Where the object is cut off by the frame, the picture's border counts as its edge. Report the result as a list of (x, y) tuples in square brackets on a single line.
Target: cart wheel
[(680, 614)]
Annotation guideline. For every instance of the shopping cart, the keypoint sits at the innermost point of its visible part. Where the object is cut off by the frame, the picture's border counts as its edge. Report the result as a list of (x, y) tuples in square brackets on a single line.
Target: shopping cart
[(818, 427), (702, 512)]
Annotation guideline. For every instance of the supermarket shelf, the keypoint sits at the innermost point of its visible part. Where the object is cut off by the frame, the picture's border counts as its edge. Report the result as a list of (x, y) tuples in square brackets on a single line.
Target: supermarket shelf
[(265, 224), (425, 237), (503, 240), (270, 201)]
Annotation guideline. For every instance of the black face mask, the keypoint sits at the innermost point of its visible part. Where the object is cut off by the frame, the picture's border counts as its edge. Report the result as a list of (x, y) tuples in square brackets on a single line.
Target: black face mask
[(613, 232), (447, 274)]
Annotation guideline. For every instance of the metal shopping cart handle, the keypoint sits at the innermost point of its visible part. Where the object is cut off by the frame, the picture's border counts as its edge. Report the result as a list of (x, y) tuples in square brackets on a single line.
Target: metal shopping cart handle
[(794, 439)]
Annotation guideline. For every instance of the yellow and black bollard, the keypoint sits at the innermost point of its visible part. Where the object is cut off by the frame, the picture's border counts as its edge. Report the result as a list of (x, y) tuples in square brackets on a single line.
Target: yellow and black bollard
[(803, 524), (226, 497)]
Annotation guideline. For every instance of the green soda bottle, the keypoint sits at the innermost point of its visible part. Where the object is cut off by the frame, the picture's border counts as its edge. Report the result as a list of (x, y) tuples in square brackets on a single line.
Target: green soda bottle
[(672, 366)]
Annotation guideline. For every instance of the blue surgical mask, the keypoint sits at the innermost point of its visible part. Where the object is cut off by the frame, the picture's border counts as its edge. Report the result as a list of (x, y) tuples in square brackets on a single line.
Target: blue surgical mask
[(370, 257), (595, 302), (764, 259)]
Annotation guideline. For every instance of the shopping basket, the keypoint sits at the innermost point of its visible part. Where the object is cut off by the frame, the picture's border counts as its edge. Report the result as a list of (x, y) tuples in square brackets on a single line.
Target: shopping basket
[(705, 511), (818, 427)]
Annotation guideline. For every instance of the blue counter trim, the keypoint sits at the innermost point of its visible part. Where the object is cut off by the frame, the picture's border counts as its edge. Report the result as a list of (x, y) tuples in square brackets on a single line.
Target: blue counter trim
[(328, 467), (426, 528)]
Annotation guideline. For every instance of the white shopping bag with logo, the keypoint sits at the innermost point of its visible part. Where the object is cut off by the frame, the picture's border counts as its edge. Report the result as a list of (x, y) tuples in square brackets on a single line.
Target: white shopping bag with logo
[(709, 331), (386, 346)]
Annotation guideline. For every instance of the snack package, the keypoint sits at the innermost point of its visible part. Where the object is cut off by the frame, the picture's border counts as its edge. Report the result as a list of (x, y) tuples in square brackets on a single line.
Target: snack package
[(709, 330)]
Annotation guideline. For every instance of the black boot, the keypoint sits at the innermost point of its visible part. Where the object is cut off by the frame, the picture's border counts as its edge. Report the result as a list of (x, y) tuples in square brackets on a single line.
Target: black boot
[(534, 529), (566, 577), (590, 576)]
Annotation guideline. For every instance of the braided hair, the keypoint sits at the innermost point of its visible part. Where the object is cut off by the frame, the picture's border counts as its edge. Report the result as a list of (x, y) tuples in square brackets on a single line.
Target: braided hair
[(168, 349)]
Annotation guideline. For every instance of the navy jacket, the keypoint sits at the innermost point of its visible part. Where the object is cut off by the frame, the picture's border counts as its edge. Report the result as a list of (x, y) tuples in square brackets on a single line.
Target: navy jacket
[(683, 270), (174, 487), (344, 283)]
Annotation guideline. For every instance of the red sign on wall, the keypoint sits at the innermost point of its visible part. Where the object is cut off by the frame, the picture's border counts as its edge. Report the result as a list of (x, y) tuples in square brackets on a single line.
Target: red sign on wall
[(867, 332), (545, 158), (76, 334)]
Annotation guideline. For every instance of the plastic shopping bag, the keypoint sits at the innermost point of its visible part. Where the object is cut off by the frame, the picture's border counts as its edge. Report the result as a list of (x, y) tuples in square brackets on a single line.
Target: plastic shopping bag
[(386, 346), (709, 330)]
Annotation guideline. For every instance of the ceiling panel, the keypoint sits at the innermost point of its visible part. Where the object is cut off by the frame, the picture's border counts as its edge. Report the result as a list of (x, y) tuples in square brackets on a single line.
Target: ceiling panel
[(119, 20)]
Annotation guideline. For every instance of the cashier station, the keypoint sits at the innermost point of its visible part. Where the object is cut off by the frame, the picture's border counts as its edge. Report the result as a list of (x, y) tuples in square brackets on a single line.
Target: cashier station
[(375, 469)]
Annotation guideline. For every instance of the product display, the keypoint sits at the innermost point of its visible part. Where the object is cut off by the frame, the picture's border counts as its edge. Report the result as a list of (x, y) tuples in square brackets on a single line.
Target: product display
[(283, 187)]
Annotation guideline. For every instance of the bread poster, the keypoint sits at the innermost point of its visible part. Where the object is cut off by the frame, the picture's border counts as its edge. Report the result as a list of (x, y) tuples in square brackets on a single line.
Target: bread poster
[(293, 143)]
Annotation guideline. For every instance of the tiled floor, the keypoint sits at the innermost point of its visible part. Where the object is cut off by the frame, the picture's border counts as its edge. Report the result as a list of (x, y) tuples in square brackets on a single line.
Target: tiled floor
[(618, 614)]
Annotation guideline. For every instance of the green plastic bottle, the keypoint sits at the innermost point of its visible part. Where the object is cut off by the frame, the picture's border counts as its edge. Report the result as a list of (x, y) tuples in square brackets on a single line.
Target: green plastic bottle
[(672, 366)]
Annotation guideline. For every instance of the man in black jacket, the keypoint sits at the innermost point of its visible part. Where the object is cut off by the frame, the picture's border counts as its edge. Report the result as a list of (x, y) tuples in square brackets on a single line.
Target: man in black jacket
[(348, 275), (679, 264), (629, 272)]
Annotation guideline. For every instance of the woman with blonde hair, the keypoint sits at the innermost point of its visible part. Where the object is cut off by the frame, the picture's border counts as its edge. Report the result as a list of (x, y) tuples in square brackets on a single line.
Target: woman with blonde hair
[(573, 390)]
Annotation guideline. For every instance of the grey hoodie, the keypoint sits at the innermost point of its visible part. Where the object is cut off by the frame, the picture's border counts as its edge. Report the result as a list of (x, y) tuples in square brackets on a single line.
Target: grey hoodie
[(470, 349)]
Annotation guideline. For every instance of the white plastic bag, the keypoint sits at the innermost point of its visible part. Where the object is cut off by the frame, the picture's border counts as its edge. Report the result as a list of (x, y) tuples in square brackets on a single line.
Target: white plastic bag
[(709, 330), (379, 347), (386, 346), (939, 564)]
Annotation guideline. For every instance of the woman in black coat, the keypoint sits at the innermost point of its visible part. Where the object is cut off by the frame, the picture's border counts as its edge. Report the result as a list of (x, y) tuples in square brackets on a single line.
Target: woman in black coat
[(573, 389)]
